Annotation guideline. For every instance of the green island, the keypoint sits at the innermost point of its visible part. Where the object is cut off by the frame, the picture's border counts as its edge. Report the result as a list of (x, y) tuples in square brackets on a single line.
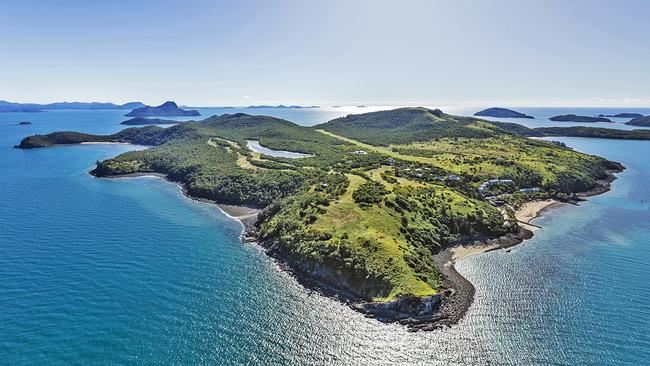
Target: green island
[(378, 195)]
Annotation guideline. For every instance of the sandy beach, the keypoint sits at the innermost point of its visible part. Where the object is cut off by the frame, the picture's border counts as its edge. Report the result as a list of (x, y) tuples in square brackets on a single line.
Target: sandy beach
[(524, 215)]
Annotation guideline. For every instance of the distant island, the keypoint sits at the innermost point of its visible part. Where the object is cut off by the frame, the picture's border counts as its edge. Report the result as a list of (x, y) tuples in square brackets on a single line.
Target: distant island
[(280, 106), (622, 115), (372, 199), (24, 123), (8, 107), (576, 118), (640, 121), (501, 113), (575, 131), (168, 109), (142, 121)]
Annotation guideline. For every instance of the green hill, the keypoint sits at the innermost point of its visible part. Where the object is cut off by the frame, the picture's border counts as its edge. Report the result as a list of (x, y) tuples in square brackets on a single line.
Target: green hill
[(378, 195), (407, 125)]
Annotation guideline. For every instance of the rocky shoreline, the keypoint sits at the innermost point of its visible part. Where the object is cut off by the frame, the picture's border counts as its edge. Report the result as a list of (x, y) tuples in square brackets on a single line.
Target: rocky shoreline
[(430, 313)]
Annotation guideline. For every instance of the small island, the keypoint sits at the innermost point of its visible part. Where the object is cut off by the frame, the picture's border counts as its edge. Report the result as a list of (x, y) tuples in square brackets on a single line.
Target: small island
[(640, 121), (281, 106), (143, 121), (501, 113), (576, 118), (365, 208), (24, 123), (622, 115), (167, 109)]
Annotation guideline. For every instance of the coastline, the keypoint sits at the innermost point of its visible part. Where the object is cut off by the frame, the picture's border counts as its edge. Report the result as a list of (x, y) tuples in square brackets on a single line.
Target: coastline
[(444, 309), (247, 216), (455, 307)]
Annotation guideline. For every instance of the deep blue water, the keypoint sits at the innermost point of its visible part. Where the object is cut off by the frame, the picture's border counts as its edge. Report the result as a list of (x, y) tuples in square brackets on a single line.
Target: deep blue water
[(128, 271)]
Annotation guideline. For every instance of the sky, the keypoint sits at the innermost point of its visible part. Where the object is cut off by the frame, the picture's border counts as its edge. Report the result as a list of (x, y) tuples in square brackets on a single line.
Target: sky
[(215, 53)]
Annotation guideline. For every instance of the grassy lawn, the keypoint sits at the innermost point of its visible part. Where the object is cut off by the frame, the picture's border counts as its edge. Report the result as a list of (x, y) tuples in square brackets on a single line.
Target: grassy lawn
[(347, 218)]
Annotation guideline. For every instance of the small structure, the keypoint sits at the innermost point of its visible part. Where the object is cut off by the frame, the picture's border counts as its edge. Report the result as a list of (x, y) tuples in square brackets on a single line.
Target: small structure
[(454, 177), (493, 182), (390, 161), (360, 152), (529, 190)]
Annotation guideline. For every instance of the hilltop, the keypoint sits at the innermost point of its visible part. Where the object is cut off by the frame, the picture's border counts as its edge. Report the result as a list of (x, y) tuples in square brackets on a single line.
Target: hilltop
[(406, 125), (378, 194), (167, 109)]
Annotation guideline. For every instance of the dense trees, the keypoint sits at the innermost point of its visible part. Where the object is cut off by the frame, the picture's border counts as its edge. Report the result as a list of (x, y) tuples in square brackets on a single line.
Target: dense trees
[(369, 193)]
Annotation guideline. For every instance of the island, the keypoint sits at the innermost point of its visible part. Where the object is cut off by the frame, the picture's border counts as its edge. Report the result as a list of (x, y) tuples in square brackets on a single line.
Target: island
[(575, 131), (167, 109), (24, 123), (34, 107), (281, 106), (370, 205), (640, 121), (142, 121), (501, 113), (576, 118), (622, 115)]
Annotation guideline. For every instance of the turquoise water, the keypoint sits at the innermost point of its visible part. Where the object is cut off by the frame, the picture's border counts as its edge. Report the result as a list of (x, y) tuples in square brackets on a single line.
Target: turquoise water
[(128, 271)]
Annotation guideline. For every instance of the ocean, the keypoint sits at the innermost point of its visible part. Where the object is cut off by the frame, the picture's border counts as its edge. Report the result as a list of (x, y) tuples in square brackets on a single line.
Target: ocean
[(128, 271)]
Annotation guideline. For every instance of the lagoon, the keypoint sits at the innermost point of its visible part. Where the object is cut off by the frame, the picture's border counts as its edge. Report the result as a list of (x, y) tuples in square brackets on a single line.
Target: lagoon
[(256, 147)]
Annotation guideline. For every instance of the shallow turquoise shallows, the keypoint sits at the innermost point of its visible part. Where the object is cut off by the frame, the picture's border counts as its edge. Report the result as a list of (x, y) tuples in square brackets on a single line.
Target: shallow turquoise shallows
[(128, 271)]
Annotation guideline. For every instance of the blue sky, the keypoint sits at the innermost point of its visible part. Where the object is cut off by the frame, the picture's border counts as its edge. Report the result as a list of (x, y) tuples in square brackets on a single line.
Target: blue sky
[(318, 52)]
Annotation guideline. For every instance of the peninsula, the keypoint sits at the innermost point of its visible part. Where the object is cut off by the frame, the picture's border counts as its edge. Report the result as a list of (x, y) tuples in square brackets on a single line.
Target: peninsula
[(576, 118), (501, 113), (361, 212), (167, 109)]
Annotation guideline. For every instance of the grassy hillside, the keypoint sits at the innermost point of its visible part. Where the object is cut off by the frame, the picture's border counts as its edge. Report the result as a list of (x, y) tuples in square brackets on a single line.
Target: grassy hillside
[(407, 125), (380, 193)]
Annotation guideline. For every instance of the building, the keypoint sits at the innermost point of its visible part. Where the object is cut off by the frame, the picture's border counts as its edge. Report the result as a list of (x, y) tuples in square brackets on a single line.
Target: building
[(529, 190), (492, 182)]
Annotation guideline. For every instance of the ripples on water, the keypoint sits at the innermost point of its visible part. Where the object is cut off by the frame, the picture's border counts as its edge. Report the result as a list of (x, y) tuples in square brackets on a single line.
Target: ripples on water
[(129, 271)]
